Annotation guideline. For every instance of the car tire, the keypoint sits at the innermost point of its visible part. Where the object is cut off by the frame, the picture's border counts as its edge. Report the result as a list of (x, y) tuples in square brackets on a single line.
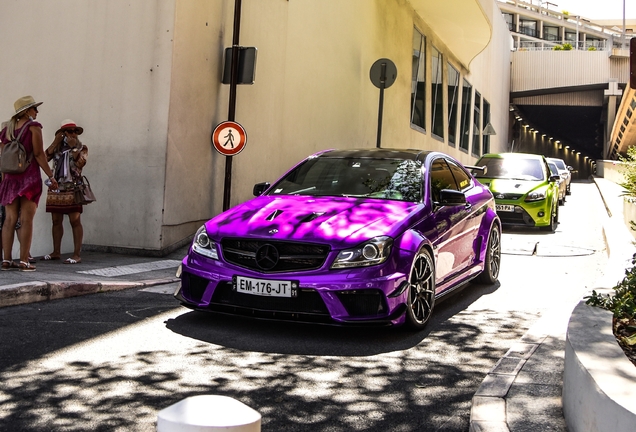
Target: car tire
[(420, 299), (492, 262), (567, 190)]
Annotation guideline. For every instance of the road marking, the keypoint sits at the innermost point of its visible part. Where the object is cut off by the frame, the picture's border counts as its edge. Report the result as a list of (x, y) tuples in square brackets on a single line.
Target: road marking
[(133, 268)]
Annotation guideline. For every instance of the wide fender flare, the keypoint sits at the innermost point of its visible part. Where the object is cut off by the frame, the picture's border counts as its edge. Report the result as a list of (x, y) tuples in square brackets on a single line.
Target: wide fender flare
[(490, 219), (412, 241)]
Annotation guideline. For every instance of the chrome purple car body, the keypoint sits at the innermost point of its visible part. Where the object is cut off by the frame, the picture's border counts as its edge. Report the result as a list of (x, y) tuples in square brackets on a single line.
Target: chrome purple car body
[(347, 237)]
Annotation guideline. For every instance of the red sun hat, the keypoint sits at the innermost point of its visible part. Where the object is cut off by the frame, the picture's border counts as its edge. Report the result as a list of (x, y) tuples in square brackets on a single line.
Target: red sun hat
[(69, 124)]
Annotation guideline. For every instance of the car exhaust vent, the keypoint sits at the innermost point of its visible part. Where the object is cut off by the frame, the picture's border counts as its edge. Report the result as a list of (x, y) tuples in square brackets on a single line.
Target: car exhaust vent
[(273, 215), (312, 216)]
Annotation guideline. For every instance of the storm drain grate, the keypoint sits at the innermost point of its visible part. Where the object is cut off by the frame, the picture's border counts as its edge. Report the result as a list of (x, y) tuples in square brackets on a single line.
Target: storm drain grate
[(133, 268)]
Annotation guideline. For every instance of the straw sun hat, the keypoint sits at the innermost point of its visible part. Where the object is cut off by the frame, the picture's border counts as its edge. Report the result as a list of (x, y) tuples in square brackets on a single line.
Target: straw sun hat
[(24, 103)]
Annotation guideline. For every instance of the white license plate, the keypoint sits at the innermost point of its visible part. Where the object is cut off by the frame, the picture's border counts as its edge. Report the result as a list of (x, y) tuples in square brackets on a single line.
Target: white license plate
[(265, 287), (505, 208)]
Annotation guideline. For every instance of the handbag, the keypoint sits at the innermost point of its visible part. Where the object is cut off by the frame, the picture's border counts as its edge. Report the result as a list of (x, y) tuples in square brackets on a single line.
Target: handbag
[(60, 198), (14, 159), (83, 192)]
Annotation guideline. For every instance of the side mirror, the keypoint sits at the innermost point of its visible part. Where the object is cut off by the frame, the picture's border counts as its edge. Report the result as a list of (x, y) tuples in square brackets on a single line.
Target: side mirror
[(450, 197), (259, 188), (555, 178), (570, 168)]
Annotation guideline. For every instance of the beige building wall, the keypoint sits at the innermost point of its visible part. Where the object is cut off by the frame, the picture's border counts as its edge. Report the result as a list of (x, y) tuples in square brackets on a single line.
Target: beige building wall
[(143, 78)]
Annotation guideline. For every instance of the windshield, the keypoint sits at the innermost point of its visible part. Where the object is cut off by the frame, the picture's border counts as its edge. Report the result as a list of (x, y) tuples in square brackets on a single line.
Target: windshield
[(511, 168), (553, 169), (559, 164), (394, 179)]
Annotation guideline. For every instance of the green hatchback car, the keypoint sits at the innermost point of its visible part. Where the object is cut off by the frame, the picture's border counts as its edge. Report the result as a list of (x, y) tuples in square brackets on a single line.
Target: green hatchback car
[(526, 193)]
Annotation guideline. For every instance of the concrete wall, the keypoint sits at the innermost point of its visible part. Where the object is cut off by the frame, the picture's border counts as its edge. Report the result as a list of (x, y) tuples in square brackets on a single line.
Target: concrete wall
[(106, 65), (144, 80)]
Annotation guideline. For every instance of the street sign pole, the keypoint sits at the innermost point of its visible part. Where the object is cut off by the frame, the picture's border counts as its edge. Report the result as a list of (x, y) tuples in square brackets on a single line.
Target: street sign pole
[(232, 104), (381, 106), (382, 74)]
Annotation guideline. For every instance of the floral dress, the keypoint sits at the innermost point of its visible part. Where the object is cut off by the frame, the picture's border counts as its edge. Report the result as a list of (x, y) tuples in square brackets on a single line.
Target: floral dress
[(27, 184)]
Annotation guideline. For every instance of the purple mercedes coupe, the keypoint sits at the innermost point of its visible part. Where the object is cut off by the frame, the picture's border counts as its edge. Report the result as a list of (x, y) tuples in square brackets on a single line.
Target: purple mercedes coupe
[(372, 236)]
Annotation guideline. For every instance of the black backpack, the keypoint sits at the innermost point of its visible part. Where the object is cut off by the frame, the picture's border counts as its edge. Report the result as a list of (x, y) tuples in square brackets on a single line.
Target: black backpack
[(13, 159)]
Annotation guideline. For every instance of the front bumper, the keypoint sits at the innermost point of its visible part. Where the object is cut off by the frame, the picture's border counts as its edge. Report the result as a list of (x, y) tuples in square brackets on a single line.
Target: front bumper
[(527, 214), (373, 295)]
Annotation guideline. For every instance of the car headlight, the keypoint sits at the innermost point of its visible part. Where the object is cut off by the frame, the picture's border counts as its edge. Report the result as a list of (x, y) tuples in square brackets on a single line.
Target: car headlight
[(537, 195), (371, 252), (203, 245)]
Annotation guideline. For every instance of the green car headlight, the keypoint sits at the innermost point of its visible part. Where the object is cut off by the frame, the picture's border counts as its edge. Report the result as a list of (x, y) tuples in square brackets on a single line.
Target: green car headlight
[(203, 245), (372, 252), (536, 195)]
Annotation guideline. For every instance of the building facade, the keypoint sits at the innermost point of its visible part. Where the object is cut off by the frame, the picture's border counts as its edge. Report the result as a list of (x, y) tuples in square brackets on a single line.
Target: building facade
[(144, 80)]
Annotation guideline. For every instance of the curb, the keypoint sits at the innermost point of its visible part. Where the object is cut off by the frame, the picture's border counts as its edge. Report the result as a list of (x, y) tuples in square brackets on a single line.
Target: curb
[(38, 291)]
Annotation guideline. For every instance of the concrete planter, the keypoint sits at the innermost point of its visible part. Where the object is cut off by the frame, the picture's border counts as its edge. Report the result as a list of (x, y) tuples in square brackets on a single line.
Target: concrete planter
[(599, 381), (629, 213)]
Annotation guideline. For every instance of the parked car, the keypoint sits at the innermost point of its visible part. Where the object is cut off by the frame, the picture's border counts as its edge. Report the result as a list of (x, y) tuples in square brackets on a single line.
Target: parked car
[(525, 192), (370, 236), (565, 171), (561, 182)]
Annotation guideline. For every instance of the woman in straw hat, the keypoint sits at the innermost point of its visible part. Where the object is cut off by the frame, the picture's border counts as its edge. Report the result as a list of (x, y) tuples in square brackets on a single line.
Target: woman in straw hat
[(69, 156), (20, 193)]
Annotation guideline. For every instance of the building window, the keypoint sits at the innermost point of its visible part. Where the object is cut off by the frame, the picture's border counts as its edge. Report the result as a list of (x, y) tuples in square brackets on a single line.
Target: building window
[(528, 28), (418, 83), (437, 93), (551, 33), (464, 137), (508, 17), (476, 125), (486, 137), (453, 96)]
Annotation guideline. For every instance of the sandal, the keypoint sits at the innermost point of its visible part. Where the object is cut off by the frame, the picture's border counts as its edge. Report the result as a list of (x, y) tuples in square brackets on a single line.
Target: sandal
[(26, 267), (48, 257), (72, 261), (9, 265)]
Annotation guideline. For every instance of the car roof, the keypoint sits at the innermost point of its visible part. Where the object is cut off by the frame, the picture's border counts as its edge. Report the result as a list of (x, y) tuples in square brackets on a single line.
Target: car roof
[(377, 153), (513, 156), (555, 159)]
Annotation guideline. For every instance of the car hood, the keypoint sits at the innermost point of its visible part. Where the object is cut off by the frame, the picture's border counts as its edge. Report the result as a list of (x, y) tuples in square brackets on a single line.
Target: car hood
[(339, 221), (508, 186)]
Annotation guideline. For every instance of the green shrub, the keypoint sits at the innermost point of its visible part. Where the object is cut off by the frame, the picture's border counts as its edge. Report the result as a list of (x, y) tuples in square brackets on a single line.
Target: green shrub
[(557, 48), (591, 48), (567, 47), (629, 172)]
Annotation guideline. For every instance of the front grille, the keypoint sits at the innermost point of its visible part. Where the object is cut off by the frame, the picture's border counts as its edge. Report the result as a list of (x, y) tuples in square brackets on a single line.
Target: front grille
[(363, 303), (516, 217), (308, 301), (274, 256), (507, 196)]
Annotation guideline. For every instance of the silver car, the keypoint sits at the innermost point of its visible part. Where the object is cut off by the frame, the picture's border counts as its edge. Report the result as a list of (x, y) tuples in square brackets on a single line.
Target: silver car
[(565, 171), (561, 182)]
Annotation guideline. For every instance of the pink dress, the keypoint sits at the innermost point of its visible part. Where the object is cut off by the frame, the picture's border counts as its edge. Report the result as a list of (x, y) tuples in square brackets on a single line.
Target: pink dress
[(27, 184)]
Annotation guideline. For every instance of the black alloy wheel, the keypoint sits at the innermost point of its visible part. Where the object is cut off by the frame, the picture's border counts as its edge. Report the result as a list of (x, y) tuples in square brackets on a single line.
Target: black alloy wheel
[(421, 291), (492, 263)]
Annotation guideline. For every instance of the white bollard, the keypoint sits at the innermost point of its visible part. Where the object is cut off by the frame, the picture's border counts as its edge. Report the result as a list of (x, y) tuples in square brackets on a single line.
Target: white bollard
[(208, 413)]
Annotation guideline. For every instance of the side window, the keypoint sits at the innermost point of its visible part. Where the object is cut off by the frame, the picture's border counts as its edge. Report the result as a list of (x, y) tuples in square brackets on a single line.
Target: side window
[(441, 178), (461, 177), (418, 81)]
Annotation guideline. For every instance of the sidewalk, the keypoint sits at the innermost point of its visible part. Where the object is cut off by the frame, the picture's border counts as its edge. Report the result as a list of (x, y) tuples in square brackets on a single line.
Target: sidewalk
[(98, 272), (523, 390)]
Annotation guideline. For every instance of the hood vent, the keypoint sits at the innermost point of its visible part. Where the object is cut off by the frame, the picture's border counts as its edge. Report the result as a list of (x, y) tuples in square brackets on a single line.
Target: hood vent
[(273, 215), (312, 216)]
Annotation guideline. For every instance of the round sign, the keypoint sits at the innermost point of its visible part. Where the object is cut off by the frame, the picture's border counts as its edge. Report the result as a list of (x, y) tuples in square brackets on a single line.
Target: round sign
[(383, 73), (229, 138)]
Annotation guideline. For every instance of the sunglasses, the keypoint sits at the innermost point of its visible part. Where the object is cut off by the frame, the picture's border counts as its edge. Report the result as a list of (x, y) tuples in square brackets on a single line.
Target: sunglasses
[(73, 131)]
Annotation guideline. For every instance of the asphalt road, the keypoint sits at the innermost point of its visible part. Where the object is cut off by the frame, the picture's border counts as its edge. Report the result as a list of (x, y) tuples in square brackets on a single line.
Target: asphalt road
[(111, 361)]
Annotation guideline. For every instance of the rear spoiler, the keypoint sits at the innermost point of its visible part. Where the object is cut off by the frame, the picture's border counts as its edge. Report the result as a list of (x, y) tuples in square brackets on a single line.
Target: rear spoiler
[(477, 168)]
